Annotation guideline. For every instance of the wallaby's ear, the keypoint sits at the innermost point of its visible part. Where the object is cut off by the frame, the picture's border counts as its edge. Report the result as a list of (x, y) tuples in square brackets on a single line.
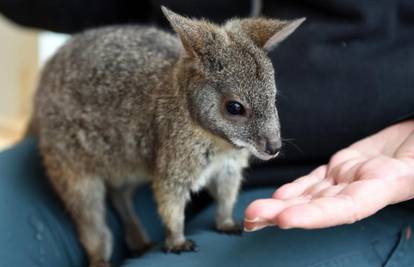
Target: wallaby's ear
[(194, 34), (268, 33)]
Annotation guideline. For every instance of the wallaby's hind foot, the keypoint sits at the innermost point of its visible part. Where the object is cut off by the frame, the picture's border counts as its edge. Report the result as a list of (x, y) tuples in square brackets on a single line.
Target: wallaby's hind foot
[(135, 235), (100, 263)]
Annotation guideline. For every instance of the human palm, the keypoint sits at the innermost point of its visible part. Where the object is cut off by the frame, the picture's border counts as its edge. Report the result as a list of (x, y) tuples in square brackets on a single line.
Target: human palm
[(357, 182)]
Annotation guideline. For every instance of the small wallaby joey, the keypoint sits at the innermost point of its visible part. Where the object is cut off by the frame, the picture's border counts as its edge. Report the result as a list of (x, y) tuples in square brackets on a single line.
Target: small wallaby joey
[(123, 105)]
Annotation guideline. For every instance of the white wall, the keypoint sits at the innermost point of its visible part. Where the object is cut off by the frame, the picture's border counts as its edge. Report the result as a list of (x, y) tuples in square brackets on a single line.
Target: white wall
[(22, 54), (18, 68), (18, 71)]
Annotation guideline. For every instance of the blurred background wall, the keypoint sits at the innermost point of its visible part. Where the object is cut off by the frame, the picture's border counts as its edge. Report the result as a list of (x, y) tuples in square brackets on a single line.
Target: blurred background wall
[(22, 54)]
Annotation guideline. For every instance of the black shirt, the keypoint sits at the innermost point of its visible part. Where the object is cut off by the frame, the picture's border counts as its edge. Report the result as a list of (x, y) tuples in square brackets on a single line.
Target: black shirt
[(345, 74)]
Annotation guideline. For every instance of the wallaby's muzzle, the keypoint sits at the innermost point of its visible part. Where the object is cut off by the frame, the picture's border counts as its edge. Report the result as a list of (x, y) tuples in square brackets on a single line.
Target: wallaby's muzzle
[(272, 147), (269, 144)]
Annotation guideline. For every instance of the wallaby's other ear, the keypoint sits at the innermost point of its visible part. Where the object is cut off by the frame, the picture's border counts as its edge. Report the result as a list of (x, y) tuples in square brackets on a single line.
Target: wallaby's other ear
[(194, 34), (268, 33)]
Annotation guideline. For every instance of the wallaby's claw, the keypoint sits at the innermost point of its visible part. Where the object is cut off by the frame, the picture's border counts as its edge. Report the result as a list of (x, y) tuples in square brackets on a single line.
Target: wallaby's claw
[(187, 246)]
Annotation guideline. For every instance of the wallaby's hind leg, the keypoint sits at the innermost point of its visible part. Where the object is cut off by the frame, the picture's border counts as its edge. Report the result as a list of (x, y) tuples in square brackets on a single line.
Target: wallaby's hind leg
[(135, 235), (224, 189), (84, 197)]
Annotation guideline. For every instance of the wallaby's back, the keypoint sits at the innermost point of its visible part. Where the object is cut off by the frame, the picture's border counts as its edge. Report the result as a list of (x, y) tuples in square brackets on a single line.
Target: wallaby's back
[(89, 93)]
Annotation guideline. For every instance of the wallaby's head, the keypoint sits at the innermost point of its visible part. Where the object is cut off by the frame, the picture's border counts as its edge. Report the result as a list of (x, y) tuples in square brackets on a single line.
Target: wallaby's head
[(229, 81)]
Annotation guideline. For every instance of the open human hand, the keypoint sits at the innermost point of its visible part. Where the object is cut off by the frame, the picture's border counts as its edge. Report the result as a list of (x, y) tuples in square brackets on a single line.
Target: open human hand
[(357, 182)]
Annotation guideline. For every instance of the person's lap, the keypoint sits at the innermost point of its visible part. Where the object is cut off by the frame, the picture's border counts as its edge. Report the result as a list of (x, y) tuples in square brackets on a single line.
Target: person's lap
[(35, 231), (369, 243)]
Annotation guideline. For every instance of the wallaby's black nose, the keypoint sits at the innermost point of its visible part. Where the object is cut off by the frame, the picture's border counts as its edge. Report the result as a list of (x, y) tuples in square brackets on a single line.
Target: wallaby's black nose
[(272, 147)]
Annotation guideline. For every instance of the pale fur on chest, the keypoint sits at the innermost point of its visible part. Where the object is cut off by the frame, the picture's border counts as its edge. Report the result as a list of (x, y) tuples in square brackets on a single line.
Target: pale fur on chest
[(218, 165), (223, 162)]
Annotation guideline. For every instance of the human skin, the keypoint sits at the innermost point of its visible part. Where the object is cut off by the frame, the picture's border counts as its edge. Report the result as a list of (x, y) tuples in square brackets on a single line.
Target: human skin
[(357, 182)]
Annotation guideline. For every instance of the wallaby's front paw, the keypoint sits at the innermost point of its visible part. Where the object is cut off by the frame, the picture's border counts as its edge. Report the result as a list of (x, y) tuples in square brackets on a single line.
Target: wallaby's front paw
[(187, 245), (234, 228), (100, 263)]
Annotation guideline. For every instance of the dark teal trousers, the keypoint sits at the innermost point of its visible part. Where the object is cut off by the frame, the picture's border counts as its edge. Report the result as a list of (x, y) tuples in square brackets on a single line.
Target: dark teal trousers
[(35, 230)]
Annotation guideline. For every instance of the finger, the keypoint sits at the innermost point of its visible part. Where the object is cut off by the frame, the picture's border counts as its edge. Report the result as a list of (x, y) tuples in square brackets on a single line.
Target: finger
[(406, 149), (393, 138), (353, 174), (330, 191), (319, 213), (300, 185), (357, 201), (260, 213), (266, 209), (342, 156), (338, 172), (322, 185)]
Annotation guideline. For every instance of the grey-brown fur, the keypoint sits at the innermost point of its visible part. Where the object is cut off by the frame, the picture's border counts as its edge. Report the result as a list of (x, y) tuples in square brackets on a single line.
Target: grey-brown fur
[(123, 105)]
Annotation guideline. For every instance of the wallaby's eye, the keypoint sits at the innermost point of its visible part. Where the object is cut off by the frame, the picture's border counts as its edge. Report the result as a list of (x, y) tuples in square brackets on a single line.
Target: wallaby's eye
[(235, 108)]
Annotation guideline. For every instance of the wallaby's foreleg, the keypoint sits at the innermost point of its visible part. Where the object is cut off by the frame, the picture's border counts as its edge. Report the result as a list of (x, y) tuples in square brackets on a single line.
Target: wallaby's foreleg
[(171, 200), (224, 189), (135, 235)]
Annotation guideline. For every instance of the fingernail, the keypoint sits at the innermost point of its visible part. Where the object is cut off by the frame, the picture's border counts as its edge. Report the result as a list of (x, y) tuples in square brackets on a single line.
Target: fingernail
[(255, 224), (255, 228), (255, 220)]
